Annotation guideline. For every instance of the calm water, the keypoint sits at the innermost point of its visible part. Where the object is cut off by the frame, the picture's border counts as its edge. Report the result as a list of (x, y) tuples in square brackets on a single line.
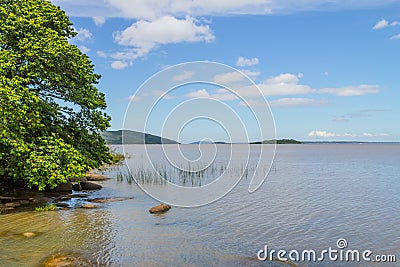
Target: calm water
[(314, 195)]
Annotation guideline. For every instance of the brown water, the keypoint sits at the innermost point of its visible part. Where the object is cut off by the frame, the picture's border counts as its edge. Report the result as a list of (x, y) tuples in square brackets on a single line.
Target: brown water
[(314, 195)]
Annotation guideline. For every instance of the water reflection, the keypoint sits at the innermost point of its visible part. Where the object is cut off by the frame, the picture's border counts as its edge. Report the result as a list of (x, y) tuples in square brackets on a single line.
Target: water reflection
[(86, 232), (316, 194)]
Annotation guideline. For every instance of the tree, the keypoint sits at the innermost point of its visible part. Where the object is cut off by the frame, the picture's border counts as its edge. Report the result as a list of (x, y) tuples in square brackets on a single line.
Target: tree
[(51, 113)]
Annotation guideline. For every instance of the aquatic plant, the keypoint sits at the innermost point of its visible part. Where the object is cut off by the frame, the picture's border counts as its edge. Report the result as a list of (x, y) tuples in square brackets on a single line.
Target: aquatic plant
[(186, 175), (48, 207)]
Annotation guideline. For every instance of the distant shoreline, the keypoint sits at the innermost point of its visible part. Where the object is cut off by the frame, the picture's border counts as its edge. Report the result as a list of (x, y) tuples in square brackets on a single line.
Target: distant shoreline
[(133, 137), (349, 142)]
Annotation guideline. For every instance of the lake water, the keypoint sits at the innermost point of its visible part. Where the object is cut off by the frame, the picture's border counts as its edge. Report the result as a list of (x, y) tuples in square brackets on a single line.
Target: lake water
[(314, 195)]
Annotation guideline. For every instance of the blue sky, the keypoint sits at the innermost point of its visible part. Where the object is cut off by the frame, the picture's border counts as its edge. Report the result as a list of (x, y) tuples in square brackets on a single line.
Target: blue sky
[(328, 69)]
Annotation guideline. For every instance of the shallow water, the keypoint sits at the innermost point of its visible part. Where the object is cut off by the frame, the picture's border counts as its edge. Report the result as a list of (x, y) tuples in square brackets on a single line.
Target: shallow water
[(314, 195)]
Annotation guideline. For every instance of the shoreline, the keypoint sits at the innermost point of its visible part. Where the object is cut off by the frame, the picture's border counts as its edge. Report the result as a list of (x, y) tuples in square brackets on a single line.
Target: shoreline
[(18, 199)]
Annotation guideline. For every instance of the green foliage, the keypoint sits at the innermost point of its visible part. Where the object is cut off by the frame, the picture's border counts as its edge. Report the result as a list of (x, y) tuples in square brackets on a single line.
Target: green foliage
[(51, 113), (48, 207), (117, 158)]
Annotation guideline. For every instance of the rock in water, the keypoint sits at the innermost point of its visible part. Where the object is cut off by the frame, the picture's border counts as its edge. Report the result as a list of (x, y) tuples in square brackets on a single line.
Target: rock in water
[(89, 206), (109, 200), (90, 186), (68, 260), (160, 208), (62, 188), (95, 177), (77, 187), (29, 234)]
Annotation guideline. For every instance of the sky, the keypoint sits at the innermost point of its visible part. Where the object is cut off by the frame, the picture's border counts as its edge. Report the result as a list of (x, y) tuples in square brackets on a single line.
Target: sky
[(329, 70)]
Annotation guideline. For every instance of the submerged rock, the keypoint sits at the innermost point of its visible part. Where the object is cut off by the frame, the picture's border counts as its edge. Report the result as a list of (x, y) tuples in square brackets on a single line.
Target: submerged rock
[(90, 186), (62, 204), (12, 204), (80, 195), (109, 200), (89, 206), (160, 208), (29, 234), (68, 260)]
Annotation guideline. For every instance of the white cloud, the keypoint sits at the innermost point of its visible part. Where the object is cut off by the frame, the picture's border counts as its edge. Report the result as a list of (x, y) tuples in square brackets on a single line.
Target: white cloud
[(119, 65), (219, 94), (182, 77), (223, 94), (228, 77), (321, 134), (297, 102), (198, 93), (246, 61), (129, 54), (84, 49), (375, 135), (83, 35), (359, 90), (287, 102), (395, 37), (251, 74), (234, 76), (145, 35), (284, 84), (383, 23), (289, 84), (134, 98), (253, 103), (152, 9), (99, 20), (326, 134), (101, 54), (162, 94)]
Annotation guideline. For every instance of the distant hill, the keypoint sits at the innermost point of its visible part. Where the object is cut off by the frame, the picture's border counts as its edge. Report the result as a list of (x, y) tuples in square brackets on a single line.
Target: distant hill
[(133, 137), (279, 142), (202, 142)]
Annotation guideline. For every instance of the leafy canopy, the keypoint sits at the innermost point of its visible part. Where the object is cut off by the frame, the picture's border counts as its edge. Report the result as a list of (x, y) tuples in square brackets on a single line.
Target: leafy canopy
[(51, 112)]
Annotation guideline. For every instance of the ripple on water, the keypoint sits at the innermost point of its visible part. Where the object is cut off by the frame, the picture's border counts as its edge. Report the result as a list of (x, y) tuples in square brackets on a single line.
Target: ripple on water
[(315, 195)]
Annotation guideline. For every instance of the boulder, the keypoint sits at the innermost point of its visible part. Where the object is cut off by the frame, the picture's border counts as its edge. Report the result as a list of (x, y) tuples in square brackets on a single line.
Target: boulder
[(77, 187), (41, 199), (95, 177), (90, 186), (62, 188), (160, 208)]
